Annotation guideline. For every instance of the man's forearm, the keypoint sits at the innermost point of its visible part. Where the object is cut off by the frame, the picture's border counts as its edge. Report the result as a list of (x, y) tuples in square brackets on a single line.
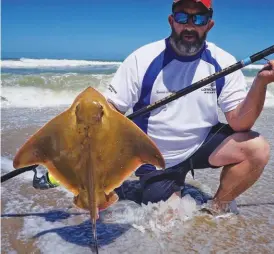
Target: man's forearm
[(245, 115)]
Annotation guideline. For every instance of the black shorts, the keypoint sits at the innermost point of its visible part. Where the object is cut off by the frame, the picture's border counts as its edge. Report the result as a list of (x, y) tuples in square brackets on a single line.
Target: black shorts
[(157, 185)]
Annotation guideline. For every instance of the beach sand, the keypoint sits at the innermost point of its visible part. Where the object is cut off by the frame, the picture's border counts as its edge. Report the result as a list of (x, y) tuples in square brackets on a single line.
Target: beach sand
[(35, 221)]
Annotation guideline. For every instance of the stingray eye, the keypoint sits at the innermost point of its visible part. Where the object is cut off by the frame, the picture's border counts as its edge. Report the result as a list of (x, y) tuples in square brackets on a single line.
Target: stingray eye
[(101, 113), (77, 109), (102, 110), (79, 118)]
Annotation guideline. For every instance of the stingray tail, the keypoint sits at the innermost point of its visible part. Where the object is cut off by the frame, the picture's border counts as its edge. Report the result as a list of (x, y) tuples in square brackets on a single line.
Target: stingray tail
[(94, 233), (92, 206)]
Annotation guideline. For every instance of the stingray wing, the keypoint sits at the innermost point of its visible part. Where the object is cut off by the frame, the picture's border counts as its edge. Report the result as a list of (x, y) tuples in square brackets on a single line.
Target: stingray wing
[(56, 146)]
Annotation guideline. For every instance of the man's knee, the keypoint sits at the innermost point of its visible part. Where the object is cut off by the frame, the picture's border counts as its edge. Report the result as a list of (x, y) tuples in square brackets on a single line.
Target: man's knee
[(242, 146), (257, 148)]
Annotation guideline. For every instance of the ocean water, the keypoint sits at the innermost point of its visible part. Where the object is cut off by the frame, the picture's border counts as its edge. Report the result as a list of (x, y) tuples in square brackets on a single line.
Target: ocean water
[(48, 82), (35, 90)]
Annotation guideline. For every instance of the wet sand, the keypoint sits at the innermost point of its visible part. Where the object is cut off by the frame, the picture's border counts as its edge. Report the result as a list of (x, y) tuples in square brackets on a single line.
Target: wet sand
[(36, 221)]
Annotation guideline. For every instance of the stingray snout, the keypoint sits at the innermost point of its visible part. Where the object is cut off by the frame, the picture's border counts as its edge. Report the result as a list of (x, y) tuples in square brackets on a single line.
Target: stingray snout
[(89, 112)]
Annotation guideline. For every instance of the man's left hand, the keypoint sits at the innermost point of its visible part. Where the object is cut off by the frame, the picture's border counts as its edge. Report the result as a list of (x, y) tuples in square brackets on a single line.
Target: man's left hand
[(266, 74)]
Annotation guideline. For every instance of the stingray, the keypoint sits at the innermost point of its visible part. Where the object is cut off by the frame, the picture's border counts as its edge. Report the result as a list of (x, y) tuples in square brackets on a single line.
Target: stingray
[(90, 149)]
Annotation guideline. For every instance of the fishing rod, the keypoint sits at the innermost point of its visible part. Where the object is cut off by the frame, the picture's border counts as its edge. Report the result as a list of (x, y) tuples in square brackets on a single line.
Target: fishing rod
[(17, 172), (232, 68)]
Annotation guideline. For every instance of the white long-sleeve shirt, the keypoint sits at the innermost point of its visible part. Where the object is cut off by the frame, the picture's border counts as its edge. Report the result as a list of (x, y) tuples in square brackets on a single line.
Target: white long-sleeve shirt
[(153, 72)]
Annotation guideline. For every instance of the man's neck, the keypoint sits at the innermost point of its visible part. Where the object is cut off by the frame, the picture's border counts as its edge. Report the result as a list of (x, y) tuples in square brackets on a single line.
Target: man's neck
[(180, 53)]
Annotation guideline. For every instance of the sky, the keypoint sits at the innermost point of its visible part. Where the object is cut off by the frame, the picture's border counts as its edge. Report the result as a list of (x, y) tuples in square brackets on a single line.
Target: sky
[(110, 30)]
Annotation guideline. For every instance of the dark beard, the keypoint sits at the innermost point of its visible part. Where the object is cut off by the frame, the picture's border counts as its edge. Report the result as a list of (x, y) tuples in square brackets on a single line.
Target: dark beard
[(185, 47)]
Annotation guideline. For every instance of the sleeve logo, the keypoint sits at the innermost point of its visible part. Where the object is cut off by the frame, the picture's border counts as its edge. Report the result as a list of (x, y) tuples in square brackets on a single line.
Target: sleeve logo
[(112, 89)]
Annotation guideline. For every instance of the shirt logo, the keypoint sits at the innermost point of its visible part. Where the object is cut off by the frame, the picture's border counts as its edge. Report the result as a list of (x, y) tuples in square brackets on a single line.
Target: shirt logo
[(209, 89), (112, 89), (165, 92)]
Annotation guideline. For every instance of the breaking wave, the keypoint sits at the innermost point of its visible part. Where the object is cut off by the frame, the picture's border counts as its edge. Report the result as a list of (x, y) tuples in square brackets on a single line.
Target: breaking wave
[(67, 63), (52, 63), (40, 83), (47, 90)]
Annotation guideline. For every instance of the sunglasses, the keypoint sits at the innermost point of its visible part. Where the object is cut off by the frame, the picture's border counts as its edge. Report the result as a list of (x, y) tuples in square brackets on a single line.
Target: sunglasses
[(197, 19)]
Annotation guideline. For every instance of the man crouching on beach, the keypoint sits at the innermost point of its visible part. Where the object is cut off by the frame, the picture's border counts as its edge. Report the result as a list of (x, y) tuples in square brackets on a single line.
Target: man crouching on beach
[(187, 130)]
